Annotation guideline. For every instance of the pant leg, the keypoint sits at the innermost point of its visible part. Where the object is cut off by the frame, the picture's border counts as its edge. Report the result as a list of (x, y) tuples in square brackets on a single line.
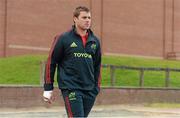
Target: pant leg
[(73, 103), (88, 104), (88, 101)]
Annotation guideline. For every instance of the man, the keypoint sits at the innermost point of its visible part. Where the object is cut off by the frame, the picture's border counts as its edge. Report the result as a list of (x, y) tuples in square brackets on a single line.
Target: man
[(77, 55)]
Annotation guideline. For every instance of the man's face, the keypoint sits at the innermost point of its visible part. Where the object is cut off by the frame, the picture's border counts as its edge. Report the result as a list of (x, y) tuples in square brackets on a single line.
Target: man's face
[(83, 21)]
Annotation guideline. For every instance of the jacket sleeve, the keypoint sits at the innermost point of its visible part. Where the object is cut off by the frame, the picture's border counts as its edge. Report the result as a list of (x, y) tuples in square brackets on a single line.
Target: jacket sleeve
[(97, 66), (55, 57)]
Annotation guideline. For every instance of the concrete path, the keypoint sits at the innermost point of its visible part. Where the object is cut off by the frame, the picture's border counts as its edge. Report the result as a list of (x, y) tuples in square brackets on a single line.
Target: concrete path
[(116, 111)]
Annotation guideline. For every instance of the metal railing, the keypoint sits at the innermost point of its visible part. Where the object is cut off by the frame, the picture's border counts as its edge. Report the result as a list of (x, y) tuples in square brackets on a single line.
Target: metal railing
[(114, 67), (141, 72)]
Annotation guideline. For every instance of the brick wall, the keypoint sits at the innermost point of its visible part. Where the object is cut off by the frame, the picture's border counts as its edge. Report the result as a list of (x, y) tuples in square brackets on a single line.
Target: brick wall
[(2, 26), (29, 96), (127, 27)]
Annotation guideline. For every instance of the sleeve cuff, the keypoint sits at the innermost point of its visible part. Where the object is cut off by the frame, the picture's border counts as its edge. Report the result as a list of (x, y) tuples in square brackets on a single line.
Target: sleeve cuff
[(48, 87)]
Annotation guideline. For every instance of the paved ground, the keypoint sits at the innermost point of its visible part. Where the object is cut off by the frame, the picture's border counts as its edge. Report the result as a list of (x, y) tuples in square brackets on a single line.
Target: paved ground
[(118, 111)]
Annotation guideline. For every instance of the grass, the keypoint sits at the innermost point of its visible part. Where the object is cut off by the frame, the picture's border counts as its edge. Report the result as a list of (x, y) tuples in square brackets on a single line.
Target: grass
[(131, 78), (25, 70), (20, 70)]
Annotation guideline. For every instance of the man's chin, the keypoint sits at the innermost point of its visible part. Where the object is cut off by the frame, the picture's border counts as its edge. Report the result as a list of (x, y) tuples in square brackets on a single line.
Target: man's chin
[(87, 28)]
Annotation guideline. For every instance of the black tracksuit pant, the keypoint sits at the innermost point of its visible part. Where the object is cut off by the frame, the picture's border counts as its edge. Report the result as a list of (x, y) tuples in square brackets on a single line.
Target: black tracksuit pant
[(78, 103)]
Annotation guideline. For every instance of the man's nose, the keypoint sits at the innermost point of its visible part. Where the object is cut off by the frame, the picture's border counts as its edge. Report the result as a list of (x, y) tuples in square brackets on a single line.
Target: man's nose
[(87, 19)]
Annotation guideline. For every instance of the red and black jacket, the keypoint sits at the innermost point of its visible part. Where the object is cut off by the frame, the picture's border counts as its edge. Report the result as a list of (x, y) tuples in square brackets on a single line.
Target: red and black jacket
[(78, 66)]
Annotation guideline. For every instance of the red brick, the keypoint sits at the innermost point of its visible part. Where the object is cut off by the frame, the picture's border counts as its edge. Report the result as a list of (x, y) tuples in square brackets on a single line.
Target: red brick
[(142, 28)]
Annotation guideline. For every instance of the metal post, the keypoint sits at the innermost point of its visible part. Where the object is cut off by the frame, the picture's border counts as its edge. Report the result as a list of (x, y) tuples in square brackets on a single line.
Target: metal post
[(112, 73), (42, 69), (167, 79), (141, 78)]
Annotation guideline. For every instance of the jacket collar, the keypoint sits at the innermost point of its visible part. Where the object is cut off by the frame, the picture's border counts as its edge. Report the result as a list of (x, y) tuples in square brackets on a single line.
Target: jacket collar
[(89, 31)]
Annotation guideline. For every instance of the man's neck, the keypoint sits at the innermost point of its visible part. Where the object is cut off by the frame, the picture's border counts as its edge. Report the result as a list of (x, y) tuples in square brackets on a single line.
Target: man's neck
[(81, 32)]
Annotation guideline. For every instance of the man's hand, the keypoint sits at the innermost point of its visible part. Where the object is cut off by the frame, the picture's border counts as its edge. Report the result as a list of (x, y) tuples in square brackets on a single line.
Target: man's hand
[(48, 96)]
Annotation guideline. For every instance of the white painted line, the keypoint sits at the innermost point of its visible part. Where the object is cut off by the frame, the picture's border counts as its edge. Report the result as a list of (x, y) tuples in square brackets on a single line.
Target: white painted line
[(28, 47), (131, 55)]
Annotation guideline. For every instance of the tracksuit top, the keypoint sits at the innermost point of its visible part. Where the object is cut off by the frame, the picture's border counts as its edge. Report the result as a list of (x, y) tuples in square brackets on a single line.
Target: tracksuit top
[(78, 66)]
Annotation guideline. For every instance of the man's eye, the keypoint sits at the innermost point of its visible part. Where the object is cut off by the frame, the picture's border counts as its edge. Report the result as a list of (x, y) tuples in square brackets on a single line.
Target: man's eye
[(86, 17)]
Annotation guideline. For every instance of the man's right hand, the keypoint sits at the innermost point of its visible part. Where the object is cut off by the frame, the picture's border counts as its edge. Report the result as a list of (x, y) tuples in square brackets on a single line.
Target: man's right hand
[(48, 96)]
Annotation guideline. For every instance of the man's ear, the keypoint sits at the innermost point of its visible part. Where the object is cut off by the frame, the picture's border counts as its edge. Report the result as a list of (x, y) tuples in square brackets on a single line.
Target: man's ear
[(75, 19)]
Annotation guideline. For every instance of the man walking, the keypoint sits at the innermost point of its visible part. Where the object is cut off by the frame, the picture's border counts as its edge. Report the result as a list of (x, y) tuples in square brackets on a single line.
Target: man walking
[(77, 56)]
